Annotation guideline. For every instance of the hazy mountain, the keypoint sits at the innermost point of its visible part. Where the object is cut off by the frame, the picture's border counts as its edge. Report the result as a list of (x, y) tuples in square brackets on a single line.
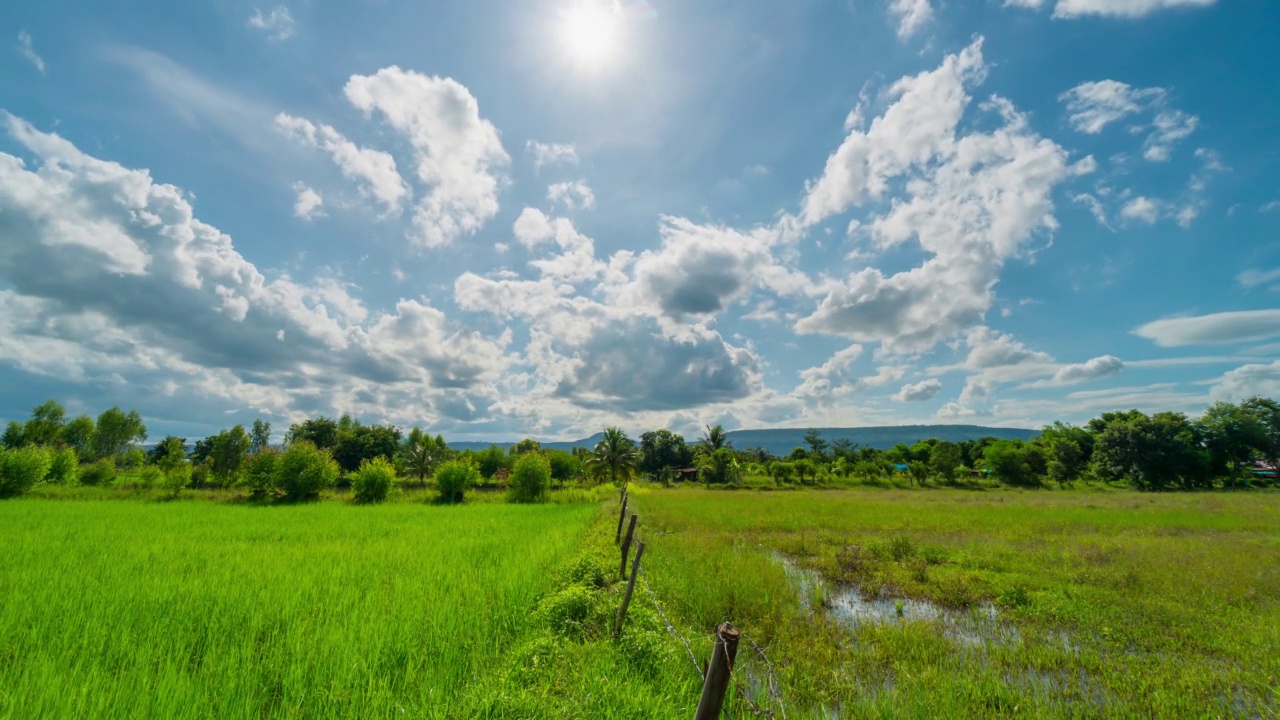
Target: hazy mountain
[(780, 441)]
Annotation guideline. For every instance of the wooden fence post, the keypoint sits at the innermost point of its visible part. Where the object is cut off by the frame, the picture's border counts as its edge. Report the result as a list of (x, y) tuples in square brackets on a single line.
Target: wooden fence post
[(626, 545), (716, 681), (621, 516), (631, 586)]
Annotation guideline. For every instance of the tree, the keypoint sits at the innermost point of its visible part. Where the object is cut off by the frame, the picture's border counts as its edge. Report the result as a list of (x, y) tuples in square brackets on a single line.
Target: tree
[(21, 468), (358, 442), (614, 455), (259, 436), (373, 480), (259, 472), (78, 434), (843, 448), (718, 468), (780, 471), (526, 445), (45, 425), (813, 438), (565, 466), (304, 470), (115, 431), (161, 450), (454, 478), (661, 452), (1153, 452), (230, 448), (1233, 435), (530, 478), (491, 460), (421, 454), (1267, 412), (13, 436), (945, 458), (918, 472), (322, 432), (715, 438), (1006, 459), (804, 468), (1065, 460)]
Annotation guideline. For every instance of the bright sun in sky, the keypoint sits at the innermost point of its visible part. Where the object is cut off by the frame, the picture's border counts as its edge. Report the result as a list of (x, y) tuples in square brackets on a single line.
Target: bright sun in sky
[(589, 32)]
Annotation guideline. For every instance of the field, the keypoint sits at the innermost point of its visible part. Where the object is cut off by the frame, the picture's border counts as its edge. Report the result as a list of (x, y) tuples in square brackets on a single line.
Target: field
[(873, 603)]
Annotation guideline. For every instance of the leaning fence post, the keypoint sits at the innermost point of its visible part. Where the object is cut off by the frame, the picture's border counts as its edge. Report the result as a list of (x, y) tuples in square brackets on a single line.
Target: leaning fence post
[(716, 681), (631, 586), (621, 516), (626, 545)]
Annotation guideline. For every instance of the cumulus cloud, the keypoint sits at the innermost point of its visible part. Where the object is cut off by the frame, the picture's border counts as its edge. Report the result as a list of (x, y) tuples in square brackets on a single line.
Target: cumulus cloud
[(1248, 381), (1142, 209), (992, 349), (27, 49), (973, 201), (1092, 106), (551, 154), (911, 16), (1217, 328), (575, 195), (1121, 8), (974, 400), (309, 204), (277, 24), (134, 279), (1093, 369), (919, 392), (373, 169), (459, 154)]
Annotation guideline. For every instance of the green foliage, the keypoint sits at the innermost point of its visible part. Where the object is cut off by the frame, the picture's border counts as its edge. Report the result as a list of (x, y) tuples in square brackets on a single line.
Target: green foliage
[(1154, 453), (421, 454), (78, 434), (259, 473), (230, 448), (575, 612), (176, 477), (491, 460), (780, 471), (199, 473), (918, 471), (804, 469), (64, 468), (45, 425), (1066, 460), (132, 457), (372, 482), (662, 451), (159, 453), (304, 470), (817, 446), (102, 472), (13, 437), (454, 478), (718, 467), (149, 477), (1007, 460), (358, 442), (588, 572), (322, 432), (1233, 435), (115, 431), (565, 466), (615, 457), (259, 436), (530, 478), (715, 438), (526, 445), (945, 458), (21, 468)]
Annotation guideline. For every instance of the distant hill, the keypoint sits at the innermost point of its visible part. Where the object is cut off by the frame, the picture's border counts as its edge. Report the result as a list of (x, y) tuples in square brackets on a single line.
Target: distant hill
[(780, 441)]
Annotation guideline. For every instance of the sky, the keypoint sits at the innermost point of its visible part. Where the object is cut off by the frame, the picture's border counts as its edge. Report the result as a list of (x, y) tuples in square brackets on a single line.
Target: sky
[(503, 218)]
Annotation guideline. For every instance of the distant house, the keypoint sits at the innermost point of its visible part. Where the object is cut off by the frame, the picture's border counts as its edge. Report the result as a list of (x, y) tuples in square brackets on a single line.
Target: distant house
[(1263, 470)]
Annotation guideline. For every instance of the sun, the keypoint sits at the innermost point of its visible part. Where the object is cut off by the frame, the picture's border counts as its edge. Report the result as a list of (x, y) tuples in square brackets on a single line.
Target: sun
[(589, 32)]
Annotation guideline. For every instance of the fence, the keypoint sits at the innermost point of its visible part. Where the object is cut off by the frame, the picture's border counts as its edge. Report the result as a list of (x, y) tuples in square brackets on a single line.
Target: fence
[(719, 672)]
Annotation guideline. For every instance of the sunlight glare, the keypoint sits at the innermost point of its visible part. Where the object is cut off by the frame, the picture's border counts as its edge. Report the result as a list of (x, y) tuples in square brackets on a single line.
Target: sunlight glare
[(589, 32)]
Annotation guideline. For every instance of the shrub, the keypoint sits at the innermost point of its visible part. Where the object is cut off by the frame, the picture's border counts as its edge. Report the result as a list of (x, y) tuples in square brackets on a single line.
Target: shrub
[(575, 612), (175, 478), (303, 471), (588, 572), (199, 475), (149, 476), (99, 473), (454, 478), (530, 478), (23, 467), (65, 467), (133, 457), (259, 472), (372, 482)]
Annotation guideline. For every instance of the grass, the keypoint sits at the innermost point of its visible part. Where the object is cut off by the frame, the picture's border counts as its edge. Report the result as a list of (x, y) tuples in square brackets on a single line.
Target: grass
[(196, 609), (1117, 605)]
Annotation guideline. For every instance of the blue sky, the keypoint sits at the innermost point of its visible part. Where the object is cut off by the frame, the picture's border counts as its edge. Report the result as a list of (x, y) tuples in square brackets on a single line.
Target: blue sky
[(497, 219)]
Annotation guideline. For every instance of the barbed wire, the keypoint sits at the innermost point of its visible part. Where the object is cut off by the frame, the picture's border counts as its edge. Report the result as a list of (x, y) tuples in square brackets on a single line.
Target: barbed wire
[(670, 628), (771, 678)]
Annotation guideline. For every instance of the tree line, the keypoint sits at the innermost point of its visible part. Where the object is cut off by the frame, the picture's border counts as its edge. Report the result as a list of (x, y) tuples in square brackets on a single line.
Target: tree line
[(1229, 446)]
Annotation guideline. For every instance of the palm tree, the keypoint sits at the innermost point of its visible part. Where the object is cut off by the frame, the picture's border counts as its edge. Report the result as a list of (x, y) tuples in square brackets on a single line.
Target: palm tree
[(421, 453), (614, 454), (715, 438)]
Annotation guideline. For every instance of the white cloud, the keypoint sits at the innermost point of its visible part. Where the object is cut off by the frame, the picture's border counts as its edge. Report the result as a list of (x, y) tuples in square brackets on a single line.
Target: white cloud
[(1248, 381), (1269, 207), (1224, 327), (974, 400), (277, 24), (1253, 278), (911, 16), (137, 288), (373, 169), (1092, 106), (836, 378), (1121, 8), (551, 154), (575, 195), (992, 349), (1167, 129), (919, 392), (974, 201), (1094, 369), (309, 203), (1142, 209), (26, 48), (459, 154)]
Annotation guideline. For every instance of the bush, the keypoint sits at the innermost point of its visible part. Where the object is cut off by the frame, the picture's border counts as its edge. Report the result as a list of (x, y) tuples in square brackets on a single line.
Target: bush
[(530, 478), (149, 476), (134, 457), (303, 471), (454, 478), (199, 475), (102, 472), (65, 467), (372, 482), (176, 477), (23, 467), (259, 472)]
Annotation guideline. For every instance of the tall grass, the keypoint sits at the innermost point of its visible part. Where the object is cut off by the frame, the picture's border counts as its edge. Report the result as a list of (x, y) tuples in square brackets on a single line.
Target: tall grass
[(200, 610)]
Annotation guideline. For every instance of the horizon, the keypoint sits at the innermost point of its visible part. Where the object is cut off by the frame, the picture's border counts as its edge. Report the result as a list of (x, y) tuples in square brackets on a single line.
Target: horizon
[(501, 219)]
